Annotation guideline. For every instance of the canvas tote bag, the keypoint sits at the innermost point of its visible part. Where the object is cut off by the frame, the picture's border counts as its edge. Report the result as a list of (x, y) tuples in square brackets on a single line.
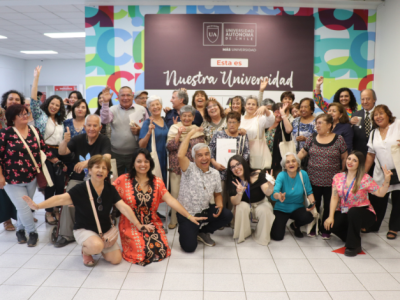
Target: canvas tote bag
[(157, 168), (286, 146), (260, 156), (314, 211)]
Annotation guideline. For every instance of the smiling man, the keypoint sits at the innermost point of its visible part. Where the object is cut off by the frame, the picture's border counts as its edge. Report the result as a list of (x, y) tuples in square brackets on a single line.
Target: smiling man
[(199, 185), (82, 147), (124, 137)]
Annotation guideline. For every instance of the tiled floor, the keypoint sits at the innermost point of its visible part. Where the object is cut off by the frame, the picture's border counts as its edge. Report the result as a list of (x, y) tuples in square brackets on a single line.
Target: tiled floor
[(292, 269)]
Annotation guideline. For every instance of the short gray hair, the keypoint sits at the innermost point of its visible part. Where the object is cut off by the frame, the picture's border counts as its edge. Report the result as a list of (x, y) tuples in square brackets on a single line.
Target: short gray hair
[(252, 97), (92, 115), (151, 99), (267, 101), (186, 109), (198, 147), (283, 161), (183, 95)]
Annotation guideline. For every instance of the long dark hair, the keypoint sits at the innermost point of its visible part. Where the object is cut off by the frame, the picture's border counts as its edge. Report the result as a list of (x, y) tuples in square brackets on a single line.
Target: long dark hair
[(78, 95), (60, 116), (231, 177), (360, 170), (132, 171), (97, 112), (353, 101), (4, 98)]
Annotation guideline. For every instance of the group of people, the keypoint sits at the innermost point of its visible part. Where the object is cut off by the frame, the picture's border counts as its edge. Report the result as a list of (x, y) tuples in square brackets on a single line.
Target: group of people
[(284, 162)]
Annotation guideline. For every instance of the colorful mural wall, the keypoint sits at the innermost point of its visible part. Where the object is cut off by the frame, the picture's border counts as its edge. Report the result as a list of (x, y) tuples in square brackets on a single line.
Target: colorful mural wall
[(344, 44)]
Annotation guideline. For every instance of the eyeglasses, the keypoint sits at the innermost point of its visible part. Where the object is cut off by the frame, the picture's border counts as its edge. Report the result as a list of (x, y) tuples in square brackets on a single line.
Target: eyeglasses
[(142, 98), (24, 115), (235, 166), (233, 123), (212, 106), (100, 207)]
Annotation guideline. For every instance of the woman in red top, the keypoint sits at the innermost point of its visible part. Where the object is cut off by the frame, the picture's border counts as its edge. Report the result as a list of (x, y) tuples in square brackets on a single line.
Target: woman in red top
[(354, 210), (144, 192)]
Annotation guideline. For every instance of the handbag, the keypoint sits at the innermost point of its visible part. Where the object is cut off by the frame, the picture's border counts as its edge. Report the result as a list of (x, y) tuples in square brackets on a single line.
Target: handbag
[(314, 211), (395, 151), (286, 146), (43, 178), (157, 168), (111, 236), (260, 156)]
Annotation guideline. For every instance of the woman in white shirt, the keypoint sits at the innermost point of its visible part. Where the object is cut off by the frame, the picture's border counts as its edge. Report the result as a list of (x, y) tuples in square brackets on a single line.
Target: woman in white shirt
[(381, 141), (255, 121), (49, 119)]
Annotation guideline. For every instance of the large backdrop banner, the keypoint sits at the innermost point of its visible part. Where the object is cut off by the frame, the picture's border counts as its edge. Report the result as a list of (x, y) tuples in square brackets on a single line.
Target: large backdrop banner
[(228, 48)]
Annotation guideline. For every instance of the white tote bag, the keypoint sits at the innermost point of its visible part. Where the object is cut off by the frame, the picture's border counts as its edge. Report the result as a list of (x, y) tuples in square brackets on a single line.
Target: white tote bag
[(286, 146), (260, 156), (157, 168), (314, 211)]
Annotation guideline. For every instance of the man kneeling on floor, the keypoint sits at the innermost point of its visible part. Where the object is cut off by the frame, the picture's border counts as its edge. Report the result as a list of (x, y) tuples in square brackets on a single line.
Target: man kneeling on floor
[(199, 185)]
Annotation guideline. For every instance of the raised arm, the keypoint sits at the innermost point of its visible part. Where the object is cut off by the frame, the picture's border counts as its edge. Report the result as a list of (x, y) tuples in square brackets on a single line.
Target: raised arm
[(36, 74), (183, 160), (322, 104), (106, 115), (288, 126), (63, 148), (263, 85), (385, 186)]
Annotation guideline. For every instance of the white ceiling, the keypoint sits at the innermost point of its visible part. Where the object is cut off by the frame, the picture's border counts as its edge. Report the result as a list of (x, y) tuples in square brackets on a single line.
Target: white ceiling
[(23, 22)]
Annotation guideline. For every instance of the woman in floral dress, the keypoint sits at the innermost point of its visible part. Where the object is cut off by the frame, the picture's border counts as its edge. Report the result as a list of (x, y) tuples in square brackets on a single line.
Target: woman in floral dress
[(144, 192)]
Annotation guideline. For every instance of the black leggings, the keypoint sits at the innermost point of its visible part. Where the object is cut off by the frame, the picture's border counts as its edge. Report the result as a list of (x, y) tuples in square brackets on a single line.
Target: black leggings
[(300, 216), (348, 226), (326, 193), (58, 181), (380, 205)]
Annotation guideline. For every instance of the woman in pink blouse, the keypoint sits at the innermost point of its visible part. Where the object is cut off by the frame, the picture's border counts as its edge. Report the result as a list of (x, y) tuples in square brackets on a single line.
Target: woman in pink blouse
[(354, 211)]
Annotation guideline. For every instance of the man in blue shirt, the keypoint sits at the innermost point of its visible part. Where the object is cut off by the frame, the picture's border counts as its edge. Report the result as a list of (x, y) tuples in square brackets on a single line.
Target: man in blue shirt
[(179, 99)]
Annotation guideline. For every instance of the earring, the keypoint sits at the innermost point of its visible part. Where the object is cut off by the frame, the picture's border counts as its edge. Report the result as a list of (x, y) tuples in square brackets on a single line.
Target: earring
[(58, 113)]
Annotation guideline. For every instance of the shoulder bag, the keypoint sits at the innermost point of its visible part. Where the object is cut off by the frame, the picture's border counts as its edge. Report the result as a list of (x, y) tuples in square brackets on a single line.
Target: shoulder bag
[(314, 211), (157, 167), (286, 146), (111, 236), (43, 178), (394, 179), (260, 156)]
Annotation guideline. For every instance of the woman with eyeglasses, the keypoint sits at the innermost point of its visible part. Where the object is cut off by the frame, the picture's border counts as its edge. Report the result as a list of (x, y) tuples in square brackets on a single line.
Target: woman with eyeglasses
[(105, 196), (214, 119), (242, 148), (17, 171), (49, 119), (247, 189), (7, 209)]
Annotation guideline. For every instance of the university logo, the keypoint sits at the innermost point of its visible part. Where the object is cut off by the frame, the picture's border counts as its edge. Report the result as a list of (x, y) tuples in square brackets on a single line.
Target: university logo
[(212, 32)]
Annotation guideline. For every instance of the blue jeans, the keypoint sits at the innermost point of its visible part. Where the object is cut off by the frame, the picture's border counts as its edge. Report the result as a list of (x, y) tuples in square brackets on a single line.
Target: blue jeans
[(24, 213)]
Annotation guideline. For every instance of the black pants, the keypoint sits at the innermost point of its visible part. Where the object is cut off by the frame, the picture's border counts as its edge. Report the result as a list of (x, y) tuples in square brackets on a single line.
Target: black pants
[(188, 230), (58, 181), (300, 216), (380, 205), (348, 226), (326, 193)]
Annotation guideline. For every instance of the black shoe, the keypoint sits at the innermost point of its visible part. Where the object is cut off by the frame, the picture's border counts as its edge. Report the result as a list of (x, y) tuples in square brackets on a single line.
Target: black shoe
[(62, 242), (33, 239), (352, 252), (21, 237), (160, 216), (297, 231)]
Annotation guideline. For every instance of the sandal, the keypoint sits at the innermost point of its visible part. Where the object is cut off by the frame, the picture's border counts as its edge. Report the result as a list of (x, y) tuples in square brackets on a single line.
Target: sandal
[(88, 260), (391, 235), (48, 220), (8, 225)]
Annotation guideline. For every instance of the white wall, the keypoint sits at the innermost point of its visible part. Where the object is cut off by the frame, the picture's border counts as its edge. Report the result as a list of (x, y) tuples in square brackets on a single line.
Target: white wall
[(56, 72), (12, 74), (387, 55)]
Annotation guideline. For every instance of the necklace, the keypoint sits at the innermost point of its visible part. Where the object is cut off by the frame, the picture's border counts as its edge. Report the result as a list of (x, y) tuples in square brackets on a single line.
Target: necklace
[(292, 182)]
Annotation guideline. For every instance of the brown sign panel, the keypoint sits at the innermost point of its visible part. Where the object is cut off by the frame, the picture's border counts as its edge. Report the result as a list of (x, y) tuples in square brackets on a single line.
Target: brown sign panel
[(229, 52)]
